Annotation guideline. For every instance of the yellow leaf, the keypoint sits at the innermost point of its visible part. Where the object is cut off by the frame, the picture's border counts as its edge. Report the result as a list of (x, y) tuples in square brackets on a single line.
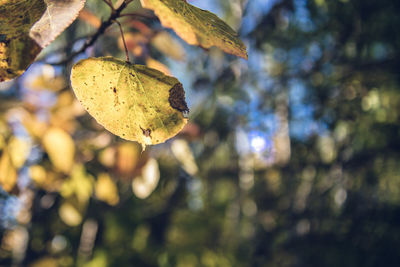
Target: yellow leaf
[(34, 125), (69, 214), (132, 101), (196, 26), (80, 185), (145, 184), (107, 157), (19, 151), (46, 180), (60, 148), (17, 50), (8, 174), (106, 190), (2, 142), (45, 262), (127, 158), (37, 174)]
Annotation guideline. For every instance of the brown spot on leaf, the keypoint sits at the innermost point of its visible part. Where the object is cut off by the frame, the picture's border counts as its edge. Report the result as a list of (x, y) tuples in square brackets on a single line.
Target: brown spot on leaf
[(146, 132), (177, 98), (116, 99)]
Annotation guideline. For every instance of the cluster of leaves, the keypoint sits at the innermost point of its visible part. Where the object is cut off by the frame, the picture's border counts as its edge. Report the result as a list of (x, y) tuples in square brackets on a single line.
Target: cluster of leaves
[(296, 162), (78, 164), (134, 102)]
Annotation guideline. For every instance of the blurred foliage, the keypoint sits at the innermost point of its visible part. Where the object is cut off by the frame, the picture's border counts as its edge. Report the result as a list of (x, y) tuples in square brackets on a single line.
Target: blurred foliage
[(289, 159)]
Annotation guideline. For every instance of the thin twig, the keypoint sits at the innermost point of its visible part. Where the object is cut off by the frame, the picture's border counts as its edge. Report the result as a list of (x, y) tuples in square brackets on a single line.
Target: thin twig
[(123, 40), (109, 3), (89, 42), (138, 14)]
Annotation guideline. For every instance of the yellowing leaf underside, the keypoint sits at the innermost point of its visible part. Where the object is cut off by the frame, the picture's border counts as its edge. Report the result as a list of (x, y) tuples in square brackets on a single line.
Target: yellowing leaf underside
[(58, 16), (196, 26), (131, 101)]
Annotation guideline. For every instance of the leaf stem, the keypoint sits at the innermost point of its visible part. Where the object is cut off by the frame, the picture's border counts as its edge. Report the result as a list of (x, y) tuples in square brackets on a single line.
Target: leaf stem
[(115, 13), (123, 40)]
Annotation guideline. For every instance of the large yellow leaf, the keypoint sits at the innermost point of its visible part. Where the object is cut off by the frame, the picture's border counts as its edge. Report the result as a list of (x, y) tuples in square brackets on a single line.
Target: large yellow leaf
[(196, 26), (132, 101)]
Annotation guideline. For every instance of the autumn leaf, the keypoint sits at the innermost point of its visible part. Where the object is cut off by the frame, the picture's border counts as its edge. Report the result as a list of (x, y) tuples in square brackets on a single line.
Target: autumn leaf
[(26, 26), (132, 101), (17, 50), (196, 26), (79, 185), (60, 148), (106, 190), (8, 173), (127, 158), (70, 214), (19, 150)]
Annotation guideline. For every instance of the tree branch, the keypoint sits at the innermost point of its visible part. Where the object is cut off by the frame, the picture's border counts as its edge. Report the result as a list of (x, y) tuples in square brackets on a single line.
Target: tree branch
[(109, 3), (115, 13)]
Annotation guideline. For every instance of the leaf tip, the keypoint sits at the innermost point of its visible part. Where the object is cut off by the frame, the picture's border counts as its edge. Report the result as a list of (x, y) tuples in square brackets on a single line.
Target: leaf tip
[(143, 145), (244, 55)]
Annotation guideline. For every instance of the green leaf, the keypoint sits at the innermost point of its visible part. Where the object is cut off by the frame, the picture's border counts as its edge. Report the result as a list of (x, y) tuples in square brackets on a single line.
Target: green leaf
[(17, 50), (132, 101), (196, 26), (22, 22)]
